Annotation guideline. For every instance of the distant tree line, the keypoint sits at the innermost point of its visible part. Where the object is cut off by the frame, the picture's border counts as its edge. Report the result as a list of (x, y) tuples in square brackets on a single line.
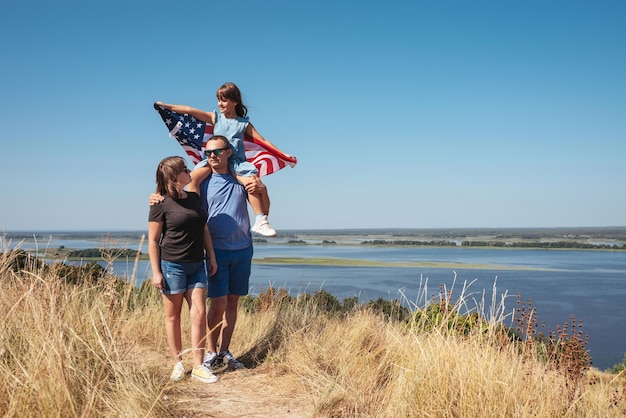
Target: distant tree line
[(410, 243), (501, 244), (537, 244), (97, 253)]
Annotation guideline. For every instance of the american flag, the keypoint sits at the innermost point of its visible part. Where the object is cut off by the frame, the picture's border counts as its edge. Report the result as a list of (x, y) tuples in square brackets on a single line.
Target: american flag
[(192, 135)]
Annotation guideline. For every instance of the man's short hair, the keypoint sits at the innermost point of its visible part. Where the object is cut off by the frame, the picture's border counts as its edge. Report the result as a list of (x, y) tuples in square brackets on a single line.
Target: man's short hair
[(219, 137)]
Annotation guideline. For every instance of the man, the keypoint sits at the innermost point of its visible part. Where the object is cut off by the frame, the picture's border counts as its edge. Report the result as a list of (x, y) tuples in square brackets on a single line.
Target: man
[(229, 224)]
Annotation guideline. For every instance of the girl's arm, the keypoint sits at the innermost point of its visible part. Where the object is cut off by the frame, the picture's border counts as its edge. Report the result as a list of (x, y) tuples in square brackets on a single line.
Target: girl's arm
[(154, 235), (208, 247), (208, 117), (198, 175), (251, 130)]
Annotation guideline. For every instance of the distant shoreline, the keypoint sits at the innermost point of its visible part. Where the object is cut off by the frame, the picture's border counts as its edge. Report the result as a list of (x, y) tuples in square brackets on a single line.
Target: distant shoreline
[(572, 238), (611, 230), (578, 234)]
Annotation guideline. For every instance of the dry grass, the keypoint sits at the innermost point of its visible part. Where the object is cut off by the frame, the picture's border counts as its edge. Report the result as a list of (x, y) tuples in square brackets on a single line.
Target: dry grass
[(97, 348), (69, 350)]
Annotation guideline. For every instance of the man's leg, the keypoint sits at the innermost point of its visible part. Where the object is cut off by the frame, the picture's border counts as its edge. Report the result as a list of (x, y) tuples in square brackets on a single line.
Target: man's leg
[(217, 291), (230, 319), (214, 322)]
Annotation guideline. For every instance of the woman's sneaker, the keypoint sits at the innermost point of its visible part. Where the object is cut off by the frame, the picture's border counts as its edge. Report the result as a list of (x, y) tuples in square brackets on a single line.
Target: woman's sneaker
[(203, 374), (228, 358), (178, 373)]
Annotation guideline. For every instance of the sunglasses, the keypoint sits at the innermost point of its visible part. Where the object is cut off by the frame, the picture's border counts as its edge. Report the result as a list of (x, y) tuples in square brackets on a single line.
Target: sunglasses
[(217, 151)]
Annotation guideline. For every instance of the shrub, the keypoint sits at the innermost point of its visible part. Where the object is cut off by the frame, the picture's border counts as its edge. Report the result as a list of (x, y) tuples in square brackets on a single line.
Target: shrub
[(619, 367)]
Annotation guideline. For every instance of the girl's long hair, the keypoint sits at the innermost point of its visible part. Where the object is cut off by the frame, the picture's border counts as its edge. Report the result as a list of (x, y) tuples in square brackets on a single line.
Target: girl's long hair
[(230, 91), (166, 176)]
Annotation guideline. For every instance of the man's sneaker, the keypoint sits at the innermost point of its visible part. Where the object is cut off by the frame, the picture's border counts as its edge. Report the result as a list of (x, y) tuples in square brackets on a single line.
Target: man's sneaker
[(178, 373), (262, 227), (203, 374), (228, 358), (210, 359)]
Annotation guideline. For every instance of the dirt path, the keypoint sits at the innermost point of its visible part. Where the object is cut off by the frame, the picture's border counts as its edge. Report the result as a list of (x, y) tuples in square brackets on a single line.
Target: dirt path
[(241, 393)]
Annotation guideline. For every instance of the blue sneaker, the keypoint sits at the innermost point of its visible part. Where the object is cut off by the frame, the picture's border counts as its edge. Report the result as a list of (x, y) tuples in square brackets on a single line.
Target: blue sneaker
[(228, 358), (210, 359)]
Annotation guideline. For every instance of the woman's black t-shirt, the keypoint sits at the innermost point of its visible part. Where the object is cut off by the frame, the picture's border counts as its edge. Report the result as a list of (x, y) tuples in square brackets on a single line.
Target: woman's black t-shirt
[(182, 237)]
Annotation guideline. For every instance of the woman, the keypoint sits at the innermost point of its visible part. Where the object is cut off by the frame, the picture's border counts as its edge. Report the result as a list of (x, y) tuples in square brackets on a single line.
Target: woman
[(178, 238)]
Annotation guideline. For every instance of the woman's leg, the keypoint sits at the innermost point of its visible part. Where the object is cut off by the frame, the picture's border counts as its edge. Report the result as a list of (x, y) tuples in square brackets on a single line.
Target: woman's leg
[(173, 305), (196, 299)]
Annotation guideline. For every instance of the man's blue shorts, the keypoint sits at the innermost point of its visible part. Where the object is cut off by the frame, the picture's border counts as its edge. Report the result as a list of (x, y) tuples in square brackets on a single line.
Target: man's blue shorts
[(179, 277), (233, 273)]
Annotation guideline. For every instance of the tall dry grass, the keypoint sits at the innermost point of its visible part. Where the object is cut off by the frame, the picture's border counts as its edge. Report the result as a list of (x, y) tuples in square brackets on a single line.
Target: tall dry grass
[(365, 364), (96, 347), (69, 350)]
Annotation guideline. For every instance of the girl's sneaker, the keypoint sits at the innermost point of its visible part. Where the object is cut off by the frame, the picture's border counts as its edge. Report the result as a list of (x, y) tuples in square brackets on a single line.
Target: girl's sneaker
[(178, 373), (262, 227), (203, 374)]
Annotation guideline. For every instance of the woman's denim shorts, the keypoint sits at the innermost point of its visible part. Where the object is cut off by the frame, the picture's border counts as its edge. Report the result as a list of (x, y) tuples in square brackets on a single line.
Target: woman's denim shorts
[(179, 277)]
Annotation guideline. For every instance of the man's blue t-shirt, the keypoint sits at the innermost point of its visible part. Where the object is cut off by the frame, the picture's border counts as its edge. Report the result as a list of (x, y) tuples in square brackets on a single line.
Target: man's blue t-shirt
[(226, 201)]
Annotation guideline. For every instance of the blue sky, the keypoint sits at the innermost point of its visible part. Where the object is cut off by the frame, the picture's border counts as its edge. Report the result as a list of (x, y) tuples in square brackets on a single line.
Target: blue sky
[(414, 114)]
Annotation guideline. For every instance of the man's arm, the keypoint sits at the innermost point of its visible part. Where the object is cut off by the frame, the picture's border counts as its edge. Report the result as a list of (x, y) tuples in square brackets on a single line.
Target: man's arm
[(198, 175), (210, 253)]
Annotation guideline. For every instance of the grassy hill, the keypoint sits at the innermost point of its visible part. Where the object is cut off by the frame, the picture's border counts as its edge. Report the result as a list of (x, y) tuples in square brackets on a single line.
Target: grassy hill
[(76, 342)]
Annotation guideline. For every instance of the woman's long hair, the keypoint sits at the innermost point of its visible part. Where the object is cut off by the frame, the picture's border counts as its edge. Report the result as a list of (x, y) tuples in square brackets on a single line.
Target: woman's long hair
[(230, 91), (166, 176)]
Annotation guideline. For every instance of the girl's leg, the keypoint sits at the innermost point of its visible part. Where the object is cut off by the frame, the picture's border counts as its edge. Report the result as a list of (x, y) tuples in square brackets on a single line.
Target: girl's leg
[(256, 199), (196, 299), (265, 200), (260, 203), (173, 305)]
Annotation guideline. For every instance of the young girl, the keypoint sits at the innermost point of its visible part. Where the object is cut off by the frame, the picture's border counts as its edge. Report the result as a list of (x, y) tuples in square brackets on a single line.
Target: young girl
[(232, 122), (178, 237)]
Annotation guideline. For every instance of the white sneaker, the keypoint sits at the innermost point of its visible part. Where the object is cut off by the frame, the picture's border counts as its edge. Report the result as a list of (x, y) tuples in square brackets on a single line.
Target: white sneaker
[(263, 227), (178, 373)]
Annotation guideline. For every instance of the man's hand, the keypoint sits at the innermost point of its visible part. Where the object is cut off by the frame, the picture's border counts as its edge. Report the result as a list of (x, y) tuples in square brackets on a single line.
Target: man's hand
[(212, 266), (155, 199)]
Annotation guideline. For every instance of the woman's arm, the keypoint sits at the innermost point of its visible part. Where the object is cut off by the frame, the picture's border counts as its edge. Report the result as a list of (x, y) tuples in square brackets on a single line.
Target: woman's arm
[(208, 117), (208, 247), (154, 235)]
